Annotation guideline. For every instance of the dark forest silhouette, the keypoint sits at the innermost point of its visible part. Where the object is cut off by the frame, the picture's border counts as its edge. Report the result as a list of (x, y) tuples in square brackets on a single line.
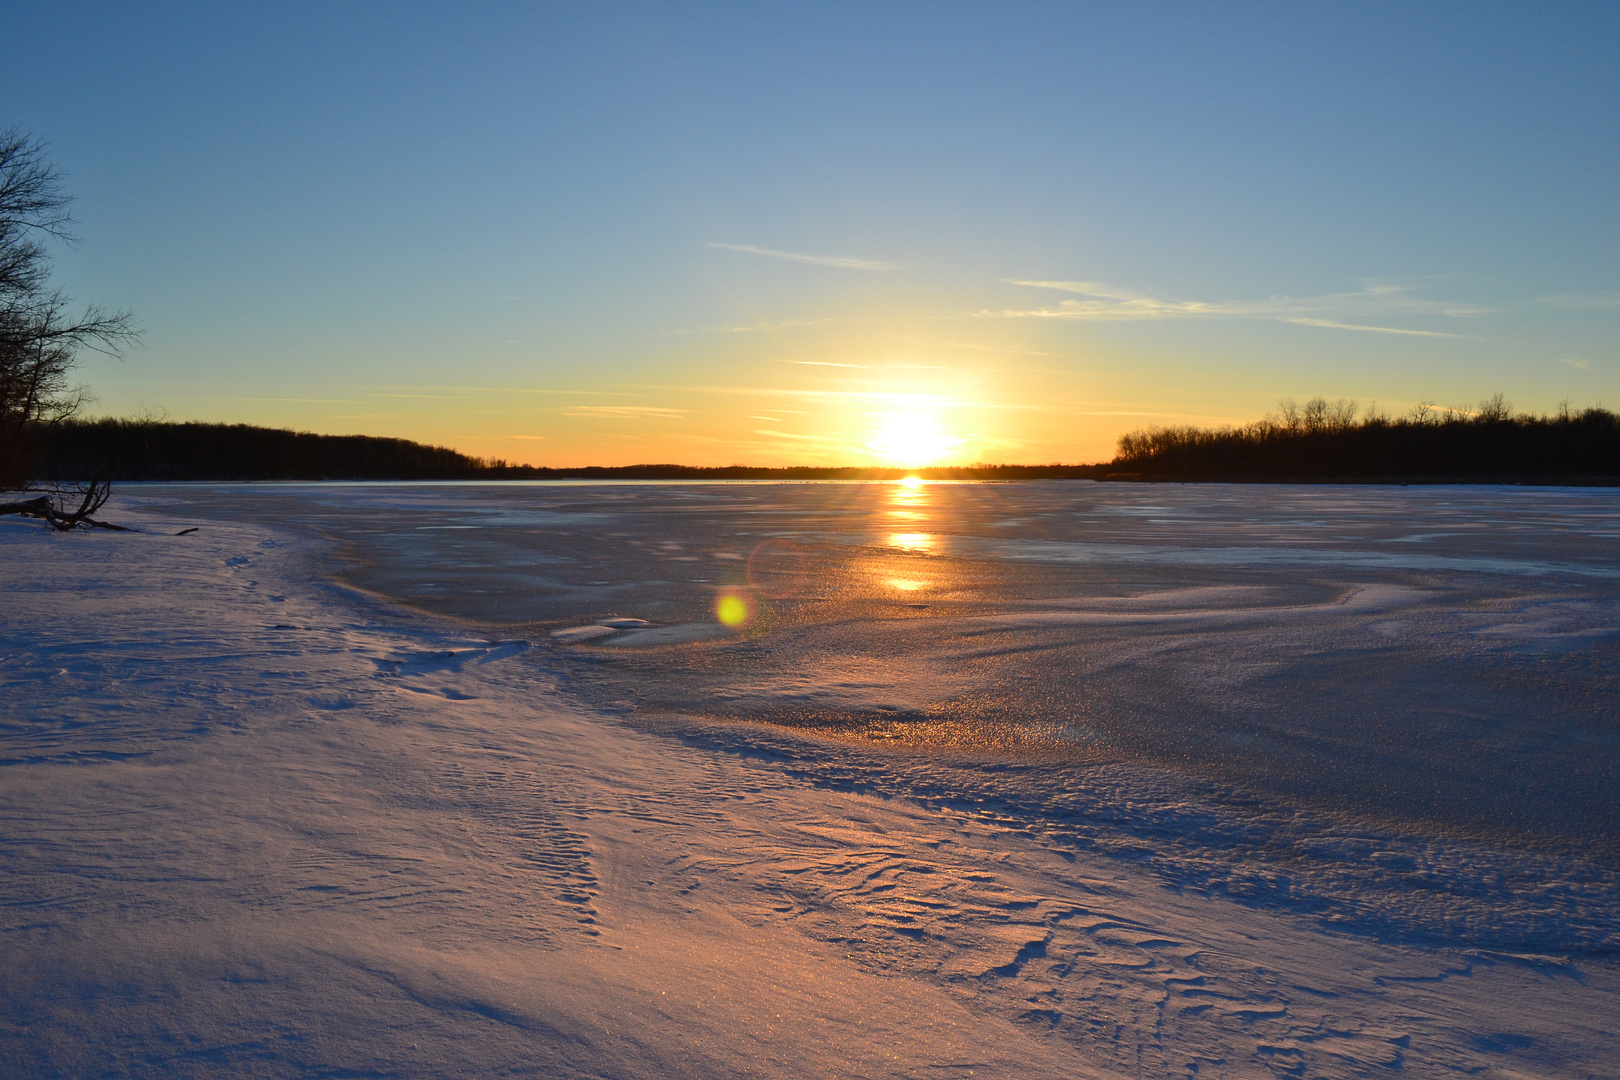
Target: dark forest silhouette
[(1318, 441), (159, 450), (1324, 440)]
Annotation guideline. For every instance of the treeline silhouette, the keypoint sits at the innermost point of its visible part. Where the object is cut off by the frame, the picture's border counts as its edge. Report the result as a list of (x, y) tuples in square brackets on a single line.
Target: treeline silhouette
[(148, 450), (1320, 440), (1323, 440), (77, 450)]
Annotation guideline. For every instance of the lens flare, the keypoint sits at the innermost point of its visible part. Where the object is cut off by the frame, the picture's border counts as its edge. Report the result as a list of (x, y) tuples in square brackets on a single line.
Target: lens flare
[(732, 609)]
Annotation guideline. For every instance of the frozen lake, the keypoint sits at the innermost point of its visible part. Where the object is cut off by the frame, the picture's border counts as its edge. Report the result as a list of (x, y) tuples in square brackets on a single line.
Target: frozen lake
[(1442, 657), (1042, 779)]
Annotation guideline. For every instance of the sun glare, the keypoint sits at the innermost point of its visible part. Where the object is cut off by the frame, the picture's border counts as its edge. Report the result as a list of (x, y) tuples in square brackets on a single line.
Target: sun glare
[(911, 438), (919, 543)]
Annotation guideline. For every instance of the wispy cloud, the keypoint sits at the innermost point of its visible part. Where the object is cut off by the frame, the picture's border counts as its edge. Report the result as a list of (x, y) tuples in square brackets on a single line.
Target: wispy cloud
[(842, 262), (1084, 288), (889, 399), (624, 412), (1100, 302), (1107, 302), (1580, 365), (1331, 325)]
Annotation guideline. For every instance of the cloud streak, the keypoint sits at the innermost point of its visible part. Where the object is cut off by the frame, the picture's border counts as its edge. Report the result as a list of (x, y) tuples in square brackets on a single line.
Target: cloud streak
[(1096, 301), (842, 262), (1331, 325)]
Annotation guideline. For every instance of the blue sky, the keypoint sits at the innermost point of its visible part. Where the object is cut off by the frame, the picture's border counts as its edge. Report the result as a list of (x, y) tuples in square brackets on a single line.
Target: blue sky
[(615, 233)]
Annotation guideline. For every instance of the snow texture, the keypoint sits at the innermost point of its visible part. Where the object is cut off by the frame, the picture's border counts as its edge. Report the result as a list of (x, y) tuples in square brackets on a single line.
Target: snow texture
[(260, 824)]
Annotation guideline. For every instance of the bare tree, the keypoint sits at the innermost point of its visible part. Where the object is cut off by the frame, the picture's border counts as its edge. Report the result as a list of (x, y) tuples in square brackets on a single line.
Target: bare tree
[(1290, 417), (1320, 414), (1494, 409), (40, 334)]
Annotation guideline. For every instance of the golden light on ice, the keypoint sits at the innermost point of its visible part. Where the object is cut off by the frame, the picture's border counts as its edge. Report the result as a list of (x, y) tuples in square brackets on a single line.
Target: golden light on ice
[(918, 542), (908, 498), (911, 438)]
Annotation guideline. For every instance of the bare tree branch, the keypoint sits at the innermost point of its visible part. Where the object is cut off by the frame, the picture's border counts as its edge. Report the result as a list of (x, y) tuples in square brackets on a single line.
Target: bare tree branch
[(52, 507), (40, 337)]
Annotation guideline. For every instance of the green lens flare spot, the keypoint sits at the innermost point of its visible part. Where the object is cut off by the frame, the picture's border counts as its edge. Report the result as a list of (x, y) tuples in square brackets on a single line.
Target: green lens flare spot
[(732, 610)]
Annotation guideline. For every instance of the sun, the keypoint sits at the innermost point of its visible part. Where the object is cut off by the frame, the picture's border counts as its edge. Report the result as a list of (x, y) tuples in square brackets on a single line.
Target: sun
[(911, 438)]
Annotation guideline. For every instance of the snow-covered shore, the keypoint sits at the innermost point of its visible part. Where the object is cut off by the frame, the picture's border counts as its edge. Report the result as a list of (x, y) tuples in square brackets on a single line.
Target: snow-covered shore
[(256, 825)]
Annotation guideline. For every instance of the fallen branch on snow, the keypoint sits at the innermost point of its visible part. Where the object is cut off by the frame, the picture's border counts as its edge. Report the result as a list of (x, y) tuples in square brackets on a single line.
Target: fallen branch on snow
[(59, 517)]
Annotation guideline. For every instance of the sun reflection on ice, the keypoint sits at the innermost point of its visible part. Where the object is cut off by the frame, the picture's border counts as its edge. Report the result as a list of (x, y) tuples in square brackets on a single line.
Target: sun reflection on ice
[(910, 490), (908, 497), (920, 543)]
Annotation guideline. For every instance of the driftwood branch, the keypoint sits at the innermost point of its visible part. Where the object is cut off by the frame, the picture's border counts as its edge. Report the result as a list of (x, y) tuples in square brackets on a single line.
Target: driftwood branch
[(59, 517)]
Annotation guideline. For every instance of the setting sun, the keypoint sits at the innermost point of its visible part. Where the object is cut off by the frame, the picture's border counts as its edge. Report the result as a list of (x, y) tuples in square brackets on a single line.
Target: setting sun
[(912, 438)]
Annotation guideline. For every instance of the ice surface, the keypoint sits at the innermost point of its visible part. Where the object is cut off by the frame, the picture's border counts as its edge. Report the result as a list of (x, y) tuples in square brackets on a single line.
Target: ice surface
[(257, 824), (1440, 659)]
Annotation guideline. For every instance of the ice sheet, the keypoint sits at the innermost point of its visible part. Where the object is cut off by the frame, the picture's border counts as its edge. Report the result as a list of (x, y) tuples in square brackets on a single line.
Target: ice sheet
[(1433, 659)]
